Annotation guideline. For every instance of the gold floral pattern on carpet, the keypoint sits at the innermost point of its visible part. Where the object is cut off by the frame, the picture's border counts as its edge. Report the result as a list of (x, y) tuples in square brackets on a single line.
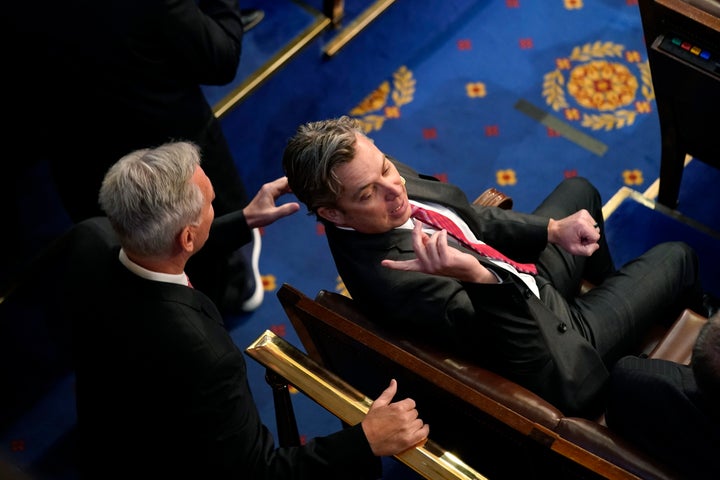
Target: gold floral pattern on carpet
[(602, 85), (384, 102), (602, 79)]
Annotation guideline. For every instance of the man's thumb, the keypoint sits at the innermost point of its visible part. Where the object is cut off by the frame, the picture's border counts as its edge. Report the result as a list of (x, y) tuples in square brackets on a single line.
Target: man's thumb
[(387, 395)]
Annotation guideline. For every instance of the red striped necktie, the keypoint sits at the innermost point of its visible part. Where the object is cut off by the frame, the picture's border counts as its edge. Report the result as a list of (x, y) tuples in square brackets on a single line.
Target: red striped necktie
[(438, 220)]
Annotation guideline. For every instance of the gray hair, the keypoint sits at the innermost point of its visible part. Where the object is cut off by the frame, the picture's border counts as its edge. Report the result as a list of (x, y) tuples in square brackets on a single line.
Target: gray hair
[(312, 155), (149, 197), (706, 359)]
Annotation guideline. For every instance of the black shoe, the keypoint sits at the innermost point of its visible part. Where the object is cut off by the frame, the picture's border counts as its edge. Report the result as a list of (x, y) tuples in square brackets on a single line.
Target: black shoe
[(250, 17), (244, 292), (711, 304)]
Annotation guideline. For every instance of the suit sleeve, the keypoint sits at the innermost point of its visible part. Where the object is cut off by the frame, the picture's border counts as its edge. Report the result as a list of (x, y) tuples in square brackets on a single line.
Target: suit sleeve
[(243, 447), (520, 236), (229, 232), (209, 268)]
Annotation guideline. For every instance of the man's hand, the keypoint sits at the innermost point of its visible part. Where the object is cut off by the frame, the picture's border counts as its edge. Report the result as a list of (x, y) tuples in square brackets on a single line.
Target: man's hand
[(577, 234), (262, 211), (436, 257), (392, 428)]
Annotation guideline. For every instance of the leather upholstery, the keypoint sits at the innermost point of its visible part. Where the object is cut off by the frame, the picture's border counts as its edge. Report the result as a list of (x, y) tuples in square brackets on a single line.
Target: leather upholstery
[(336, 334)]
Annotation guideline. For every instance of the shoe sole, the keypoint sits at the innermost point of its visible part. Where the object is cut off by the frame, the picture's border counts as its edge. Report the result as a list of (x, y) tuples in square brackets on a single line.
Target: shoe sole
[(258, 295), (254, 23)]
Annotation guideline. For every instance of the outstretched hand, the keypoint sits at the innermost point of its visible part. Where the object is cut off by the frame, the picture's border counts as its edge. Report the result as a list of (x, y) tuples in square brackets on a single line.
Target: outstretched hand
[(392, 428), (262, 211), (436, 257), (577, 234)]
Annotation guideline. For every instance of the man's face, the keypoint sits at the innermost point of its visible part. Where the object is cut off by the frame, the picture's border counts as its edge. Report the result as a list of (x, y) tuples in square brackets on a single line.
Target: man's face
[(374, 199), (202, 230)]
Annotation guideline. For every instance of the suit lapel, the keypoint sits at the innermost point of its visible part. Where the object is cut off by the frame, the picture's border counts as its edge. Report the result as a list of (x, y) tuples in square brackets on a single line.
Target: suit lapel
[(430, 189)]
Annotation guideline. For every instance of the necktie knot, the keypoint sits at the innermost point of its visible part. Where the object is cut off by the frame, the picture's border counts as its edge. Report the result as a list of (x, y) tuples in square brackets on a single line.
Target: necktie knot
[(440, 221)]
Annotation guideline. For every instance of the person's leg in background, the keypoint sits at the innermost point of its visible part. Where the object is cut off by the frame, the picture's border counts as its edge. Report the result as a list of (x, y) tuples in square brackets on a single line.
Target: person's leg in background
[(250, 17), (233, 283), (236, 281)]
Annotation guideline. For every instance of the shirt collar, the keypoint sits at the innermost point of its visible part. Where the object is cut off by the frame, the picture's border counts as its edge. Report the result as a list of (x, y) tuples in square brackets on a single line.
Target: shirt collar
[(179, 278)]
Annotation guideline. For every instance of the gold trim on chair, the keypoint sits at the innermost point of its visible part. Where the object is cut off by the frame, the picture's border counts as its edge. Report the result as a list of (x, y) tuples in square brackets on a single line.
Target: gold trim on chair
[(349, 405)]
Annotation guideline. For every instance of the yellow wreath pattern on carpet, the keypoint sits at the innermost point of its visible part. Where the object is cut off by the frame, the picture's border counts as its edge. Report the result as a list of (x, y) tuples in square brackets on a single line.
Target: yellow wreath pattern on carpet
[(599, 76), (374, 109)]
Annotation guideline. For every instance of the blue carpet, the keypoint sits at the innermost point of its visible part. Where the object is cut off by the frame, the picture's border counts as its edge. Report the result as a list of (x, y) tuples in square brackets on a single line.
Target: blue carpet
[(695, 222), (283, 21), (444, 95), (633, 218), (698, 199), (462, 89)]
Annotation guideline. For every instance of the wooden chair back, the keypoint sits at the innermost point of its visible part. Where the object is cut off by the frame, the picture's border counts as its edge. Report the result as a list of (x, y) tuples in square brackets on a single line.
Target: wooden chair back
[(488, 421)]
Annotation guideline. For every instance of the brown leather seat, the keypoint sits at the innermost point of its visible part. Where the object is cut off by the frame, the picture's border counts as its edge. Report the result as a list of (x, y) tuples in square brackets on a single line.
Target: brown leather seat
[(459, 396), (678, 342)]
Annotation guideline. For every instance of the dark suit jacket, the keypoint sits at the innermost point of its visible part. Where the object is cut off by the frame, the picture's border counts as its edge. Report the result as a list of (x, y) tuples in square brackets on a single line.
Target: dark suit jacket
[(656, 404), (141, 60), (162, 390), (505, 326), (131, 71)]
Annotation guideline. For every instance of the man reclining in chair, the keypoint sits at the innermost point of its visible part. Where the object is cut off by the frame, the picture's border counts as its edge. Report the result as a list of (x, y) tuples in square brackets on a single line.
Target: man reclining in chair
[(527, 321)]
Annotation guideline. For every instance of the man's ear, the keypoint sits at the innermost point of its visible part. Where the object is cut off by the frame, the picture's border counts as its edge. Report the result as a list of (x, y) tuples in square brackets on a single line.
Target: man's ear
[(186, 239), (332, 215)]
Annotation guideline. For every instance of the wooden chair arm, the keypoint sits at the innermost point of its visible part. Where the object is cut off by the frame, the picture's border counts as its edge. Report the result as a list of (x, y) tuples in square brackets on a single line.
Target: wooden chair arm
[(493, 197), (288, 435)]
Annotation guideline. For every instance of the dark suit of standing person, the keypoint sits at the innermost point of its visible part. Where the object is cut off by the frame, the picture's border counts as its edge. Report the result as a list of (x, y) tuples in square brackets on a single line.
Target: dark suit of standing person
[(127, 74), (671, 410), (535, 329), (162, 390)]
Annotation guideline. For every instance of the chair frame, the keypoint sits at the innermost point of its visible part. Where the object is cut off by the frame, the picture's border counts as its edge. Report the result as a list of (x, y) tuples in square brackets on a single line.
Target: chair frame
[(330, 327)]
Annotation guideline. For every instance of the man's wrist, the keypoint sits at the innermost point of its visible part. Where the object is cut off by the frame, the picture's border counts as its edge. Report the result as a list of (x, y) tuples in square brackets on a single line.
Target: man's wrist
[(551, 230)]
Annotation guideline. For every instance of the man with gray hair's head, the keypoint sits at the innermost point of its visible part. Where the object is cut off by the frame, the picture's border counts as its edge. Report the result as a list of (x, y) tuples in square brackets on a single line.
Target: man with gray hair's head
[(149, 197)]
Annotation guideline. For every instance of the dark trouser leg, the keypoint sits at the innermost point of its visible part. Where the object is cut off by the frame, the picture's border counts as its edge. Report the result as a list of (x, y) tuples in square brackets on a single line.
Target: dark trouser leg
[(237, 279), (625, 303), (651, 289), (566, 271)]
